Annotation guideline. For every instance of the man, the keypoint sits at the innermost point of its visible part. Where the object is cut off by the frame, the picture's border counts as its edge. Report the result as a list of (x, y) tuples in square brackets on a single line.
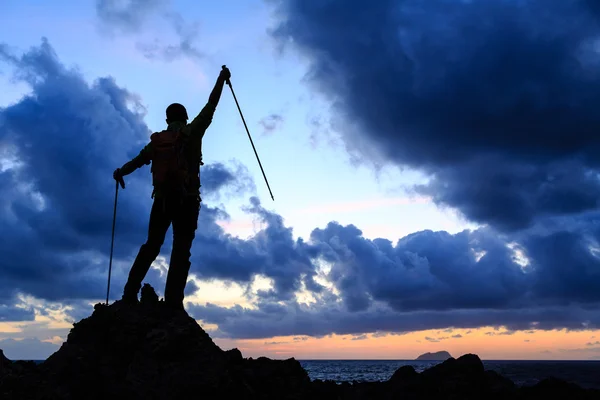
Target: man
[(176, 156)]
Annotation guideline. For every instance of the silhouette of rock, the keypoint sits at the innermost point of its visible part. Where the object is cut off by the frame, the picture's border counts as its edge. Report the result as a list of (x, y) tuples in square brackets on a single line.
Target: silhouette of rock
[(148, 295), (405, 373), (437, 356), (147, 351), (150, 351)]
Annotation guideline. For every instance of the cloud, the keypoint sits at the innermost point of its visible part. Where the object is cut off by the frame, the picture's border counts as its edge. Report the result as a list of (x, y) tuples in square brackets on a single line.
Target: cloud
[(219, 180), (457, 336), (130, 17), (186, 33), (430, 280), (12, 312), (493, 100), (56, 214), (271, 123), (64, 139), (27, 349), (504, 333), (596, 343), (273, 319), (360, 337), (430, 339)]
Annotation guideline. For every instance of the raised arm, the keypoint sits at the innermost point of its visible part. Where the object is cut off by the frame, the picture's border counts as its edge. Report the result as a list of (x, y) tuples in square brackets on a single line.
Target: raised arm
[(203, 120)]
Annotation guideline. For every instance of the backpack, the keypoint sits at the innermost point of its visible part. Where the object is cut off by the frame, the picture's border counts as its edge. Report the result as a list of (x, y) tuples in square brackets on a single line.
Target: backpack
[(169, 165)]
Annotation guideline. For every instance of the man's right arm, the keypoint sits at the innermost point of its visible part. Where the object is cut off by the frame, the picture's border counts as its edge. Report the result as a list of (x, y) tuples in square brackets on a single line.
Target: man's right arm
[(144, 158), (203, 120)]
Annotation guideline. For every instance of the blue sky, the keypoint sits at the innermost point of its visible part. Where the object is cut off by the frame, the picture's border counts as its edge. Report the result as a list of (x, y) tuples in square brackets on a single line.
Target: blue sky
[(430, 171)]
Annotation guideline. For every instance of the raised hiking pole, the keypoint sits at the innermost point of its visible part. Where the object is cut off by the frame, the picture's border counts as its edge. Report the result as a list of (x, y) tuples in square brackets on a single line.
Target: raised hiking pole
[(249, 137), (112, 242)]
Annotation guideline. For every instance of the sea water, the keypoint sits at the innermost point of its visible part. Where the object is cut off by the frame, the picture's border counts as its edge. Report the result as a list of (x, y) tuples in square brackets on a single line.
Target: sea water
[(583, 373)]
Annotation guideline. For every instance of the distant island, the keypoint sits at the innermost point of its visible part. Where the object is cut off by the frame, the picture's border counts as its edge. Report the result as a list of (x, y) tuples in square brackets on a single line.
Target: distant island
[(437, 356)]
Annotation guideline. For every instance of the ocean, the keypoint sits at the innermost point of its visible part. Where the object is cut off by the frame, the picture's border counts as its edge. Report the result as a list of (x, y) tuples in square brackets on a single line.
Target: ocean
[(583, 373)]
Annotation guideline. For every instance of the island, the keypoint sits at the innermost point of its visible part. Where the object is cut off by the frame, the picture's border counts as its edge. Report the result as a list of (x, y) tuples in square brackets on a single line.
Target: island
[(437, 356)]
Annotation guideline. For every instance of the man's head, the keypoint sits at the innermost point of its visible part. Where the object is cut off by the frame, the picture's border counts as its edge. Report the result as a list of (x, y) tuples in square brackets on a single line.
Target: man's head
[(176, 113)]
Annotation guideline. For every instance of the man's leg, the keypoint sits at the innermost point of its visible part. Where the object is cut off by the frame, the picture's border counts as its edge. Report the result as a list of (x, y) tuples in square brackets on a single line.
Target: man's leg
[(185, 222), (157, 229)]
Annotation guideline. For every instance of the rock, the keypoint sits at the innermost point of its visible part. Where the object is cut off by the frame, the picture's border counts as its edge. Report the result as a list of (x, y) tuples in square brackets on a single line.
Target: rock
[(558, 389), (151, 351), (148, 296), (148, 351), (404, 374), (234, 356), (5, 364)]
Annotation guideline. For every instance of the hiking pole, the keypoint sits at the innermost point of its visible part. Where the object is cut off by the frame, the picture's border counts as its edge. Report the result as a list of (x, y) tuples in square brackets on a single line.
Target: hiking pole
[(112, 242), (249, 137)]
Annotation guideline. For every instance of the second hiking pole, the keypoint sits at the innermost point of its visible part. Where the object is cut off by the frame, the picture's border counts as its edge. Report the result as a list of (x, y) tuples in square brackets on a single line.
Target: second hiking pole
[(112, 242), (249, 137)]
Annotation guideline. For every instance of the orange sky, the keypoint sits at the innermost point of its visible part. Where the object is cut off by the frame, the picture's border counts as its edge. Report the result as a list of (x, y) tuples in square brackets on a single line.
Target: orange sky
[(488, 343)]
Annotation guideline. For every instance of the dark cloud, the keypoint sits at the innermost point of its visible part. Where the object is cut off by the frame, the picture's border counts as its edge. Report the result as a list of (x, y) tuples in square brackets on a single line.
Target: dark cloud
[(424, 270), (66, 137), (10, 312), (272, 253), (494, 100), (430, 339), (63, 141), (323, 319), (271, 123), (431, 280), (218, 179), (457, 336)]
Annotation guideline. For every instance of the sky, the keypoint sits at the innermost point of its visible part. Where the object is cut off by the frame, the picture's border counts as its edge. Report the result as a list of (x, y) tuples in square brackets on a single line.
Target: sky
[(434, 167)]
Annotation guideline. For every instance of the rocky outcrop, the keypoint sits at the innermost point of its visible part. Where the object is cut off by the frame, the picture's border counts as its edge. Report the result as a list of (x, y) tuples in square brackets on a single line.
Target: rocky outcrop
[(148, 351), (437, 356)]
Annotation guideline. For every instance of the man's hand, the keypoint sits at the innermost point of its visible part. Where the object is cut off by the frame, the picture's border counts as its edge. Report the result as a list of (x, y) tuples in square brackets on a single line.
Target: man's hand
[(118, 176), (225, 74)]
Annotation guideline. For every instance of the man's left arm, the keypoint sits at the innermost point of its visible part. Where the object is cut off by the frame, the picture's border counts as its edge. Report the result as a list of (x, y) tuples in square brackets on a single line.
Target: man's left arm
[(201, 123)]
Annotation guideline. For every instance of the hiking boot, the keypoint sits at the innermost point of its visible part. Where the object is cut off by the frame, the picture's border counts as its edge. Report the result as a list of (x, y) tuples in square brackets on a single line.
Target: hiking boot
[(130, 298), (176, 306)]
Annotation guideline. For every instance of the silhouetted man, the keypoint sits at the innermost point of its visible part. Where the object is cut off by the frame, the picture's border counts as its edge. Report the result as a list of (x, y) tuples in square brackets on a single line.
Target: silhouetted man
[(176, 156)]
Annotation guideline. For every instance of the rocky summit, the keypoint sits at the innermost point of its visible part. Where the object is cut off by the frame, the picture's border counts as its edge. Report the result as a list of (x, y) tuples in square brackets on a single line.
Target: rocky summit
[(149, 351)]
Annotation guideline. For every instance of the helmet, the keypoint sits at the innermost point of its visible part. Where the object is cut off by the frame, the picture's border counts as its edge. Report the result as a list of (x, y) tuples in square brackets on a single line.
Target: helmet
[(176, 112)]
